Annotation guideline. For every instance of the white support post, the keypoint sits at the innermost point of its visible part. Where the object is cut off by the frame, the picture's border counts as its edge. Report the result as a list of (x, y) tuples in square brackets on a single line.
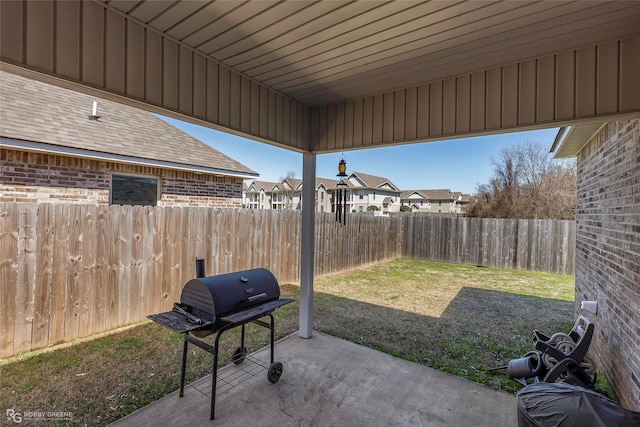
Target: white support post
[(307, 244)]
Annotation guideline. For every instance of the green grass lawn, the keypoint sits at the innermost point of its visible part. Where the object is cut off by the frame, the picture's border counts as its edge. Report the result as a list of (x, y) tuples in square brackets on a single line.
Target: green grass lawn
[(457, 318)]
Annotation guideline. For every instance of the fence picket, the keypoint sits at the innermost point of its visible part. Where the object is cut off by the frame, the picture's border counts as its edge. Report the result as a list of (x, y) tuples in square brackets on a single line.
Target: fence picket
[(8, 275), (59, 274), (42, 285), (23, 332), (103, 256), (88, 256), (136, 287), (154, 291)]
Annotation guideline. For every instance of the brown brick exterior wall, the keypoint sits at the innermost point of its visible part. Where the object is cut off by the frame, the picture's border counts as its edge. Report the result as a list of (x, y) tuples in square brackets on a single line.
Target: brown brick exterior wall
[(608, 252), (48, 178)]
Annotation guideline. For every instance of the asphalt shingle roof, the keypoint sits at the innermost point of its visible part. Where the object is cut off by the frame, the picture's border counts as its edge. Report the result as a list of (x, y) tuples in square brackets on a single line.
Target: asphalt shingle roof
[(439, 194), (327, 182), (39, 112), (372, 181), (262, 185)]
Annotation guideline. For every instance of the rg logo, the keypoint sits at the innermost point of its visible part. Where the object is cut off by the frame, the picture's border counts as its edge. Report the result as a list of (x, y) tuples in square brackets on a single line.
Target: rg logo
[(14, 416)]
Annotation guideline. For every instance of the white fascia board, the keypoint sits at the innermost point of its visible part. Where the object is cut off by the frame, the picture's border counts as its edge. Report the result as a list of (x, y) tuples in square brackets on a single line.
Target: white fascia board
[(88, 154)]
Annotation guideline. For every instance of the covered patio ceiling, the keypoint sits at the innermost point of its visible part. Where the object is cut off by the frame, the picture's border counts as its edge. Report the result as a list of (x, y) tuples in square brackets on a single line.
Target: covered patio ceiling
[(322, 76), (326, 52)]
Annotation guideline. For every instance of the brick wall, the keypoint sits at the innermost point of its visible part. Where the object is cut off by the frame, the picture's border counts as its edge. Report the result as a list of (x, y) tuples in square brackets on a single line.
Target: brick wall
[(608, 252), (47, 178)]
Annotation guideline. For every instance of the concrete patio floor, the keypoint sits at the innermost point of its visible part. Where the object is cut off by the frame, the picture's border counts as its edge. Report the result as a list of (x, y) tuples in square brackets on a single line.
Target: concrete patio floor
[(328, 381)]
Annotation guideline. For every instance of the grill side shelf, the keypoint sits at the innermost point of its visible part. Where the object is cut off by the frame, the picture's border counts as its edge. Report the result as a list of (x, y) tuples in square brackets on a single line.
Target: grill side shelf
[(255, 312), (177, 322)]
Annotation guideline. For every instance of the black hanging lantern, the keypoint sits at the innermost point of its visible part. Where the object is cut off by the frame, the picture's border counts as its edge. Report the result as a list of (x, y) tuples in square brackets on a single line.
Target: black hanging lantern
[(342, 168), (341, 193)]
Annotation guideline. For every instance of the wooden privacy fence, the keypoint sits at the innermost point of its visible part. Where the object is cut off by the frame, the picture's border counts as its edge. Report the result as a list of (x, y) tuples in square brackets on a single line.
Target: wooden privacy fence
[(68, 271), (523, 244)]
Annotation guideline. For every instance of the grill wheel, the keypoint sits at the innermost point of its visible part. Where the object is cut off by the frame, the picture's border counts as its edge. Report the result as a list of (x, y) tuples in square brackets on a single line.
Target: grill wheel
[(239, 354), (274, 372)]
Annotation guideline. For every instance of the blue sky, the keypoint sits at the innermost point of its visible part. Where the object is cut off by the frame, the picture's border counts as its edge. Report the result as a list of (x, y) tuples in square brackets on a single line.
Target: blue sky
[(457, 164)]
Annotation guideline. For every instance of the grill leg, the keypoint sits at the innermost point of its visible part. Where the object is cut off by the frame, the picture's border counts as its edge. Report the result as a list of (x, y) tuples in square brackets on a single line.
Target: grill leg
[(272, 336), (242, 339), (184, 364), (214, 380), (214, 376)]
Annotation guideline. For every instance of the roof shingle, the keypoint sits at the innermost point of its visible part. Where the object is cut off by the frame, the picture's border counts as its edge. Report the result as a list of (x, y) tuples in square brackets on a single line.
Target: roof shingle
[(39, 112)]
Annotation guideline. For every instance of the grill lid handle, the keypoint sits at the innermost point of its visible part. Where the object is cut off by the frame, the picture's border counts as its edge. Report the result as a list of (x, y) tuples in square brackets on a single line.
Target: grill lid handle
[(189, 316), (257, 297)]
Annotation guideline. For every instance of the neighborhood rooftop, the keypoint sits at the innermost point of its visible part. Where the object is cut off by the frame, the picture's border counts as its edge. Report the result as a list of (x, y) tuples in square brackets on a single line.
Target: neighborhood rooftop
[(44, 117)]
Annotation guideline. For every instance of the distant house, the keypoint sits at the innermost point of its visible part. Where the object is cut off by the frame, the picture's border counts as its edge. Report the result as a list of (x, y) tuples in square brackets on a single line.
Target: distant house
[(325, 194), (259, 194), (435, 201), (364, 193), (462, 200), (62, 146), (372, 192), (287, 195)]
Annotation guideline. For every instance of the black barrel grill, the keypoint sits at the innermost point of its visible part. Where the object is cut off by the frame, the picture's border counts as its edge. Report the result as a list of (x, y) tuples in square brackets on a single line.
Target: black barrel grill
[(216, 304)]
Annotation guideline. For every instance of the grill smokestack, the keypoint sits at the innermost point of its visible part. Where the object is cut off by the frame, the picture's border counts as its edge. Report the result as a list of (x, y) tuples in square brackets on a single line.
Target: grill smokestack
[(199, 267)]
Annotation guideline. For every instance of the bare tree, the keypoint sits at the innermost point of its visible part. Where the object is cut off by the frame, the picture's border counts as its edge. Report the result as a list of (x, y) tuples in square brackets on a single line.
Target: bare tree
[(290, 174), (528, 183), (287, 192)]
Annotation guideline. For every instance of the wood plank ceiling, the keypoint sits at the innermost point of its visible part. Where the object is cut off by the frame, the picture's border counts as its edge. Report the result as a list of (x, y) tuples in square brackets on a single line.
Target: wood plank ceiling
[(324, 52), (336, 75)]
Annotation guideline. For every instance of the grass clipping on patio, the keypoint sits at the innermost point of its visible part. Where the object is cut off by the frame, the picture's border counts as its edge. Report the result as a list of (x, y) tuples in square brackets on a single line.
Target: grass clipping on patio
[(457, 318)]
